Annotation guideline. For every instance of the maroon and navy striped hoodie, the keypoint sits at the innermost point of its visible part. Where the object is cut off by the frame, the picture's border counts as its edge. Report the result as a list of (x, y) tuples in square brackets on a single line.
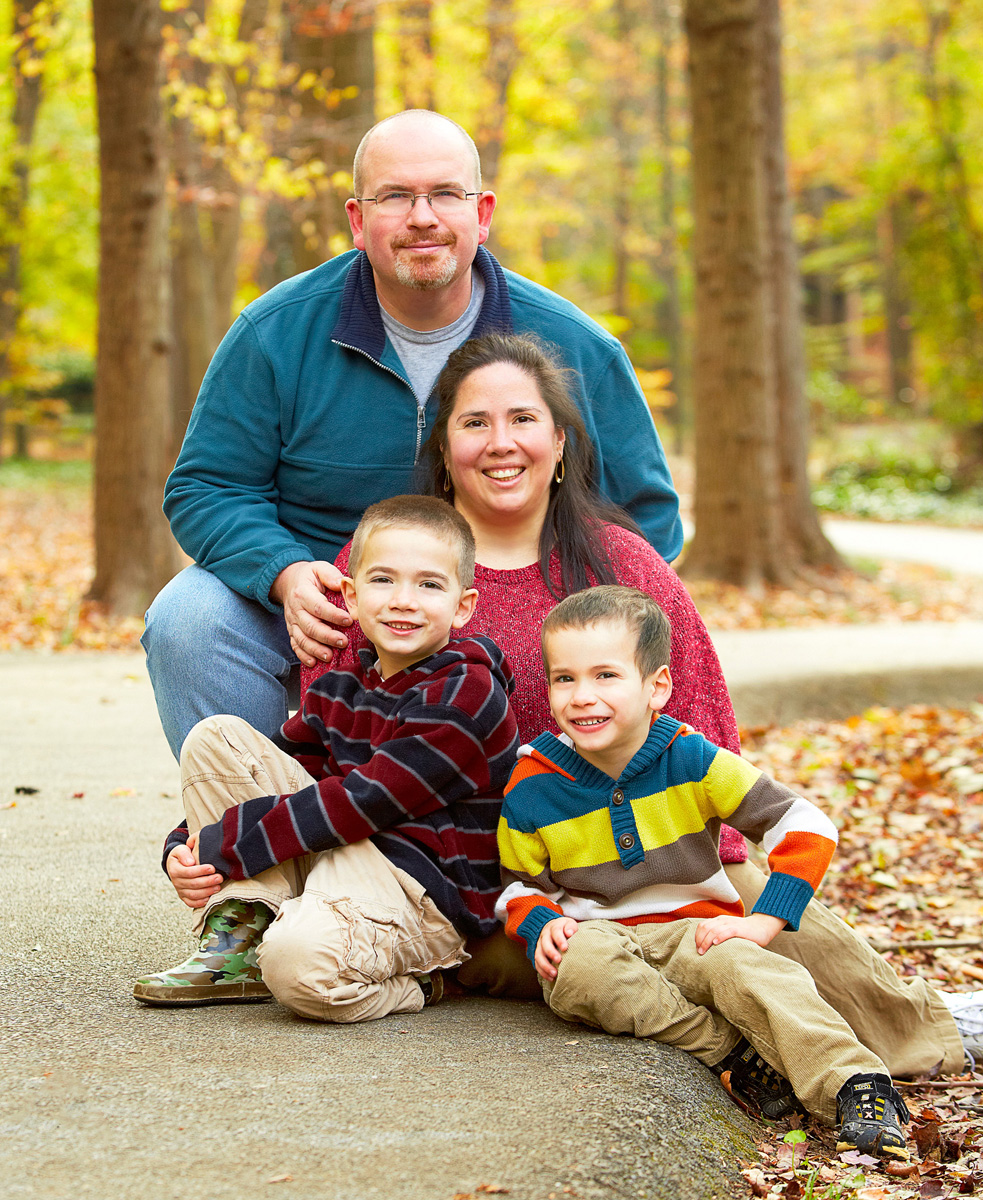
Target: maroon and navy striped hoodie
[(416, 762)]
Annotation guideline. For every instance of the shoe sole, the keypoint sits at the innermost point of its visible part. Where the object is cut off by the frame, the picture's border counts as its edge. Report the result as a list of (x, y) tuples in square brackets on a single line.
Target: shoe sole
[(895, 1153), (198, 994)]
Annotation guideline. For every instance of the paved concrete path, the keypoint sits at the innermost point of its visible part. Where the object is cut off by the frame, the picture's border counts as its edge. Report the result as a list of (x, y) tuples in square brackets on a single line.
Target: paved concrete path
[(956, 550), (101, 1097), (783, 675)]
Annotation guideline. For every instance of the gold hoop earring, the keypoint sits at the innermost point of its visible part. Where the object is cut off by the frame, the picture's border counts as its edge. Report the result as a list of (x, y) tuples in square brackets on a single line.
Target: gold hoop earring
[(560, 471), (447, 480)]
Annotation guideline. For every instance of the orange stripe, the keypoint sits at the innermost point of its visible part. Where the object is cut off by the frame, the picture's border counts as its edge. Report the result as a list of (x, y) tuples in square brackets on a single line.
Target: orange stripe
[(807, 855), (520, 908), (700, 911), (530, 765)]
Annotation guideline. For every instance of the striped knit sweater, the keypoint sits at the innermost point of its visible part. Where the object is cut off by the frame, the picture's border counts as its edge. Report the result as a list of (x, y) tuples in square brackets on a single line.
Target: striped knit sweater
[(416, 763), (575, 842)]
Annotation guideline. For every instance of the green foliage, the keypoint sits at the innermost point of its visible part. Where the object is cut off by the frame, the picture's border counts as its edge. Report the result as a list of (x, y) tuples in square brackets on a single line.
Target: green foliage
[(832, 399), (41, 476), (882, 482), (59, 250), (885, 120)]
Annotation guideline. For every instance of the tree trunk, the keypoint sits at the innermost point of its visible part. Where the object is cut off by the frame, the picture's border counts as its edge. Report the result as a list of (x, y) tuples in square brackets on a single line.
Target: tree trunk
[(503, 55), (415, 65), (738, 526), (806, 544), (897, 305), (135, 553), (668, 315), (26, 83), (333, 43), (192, 282), (624, 119)]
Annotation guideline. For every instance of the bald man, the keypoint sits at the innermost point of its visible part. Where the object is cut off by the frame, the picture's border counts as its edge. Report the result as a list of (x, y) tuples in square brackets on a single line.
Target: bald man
[(316, 404)]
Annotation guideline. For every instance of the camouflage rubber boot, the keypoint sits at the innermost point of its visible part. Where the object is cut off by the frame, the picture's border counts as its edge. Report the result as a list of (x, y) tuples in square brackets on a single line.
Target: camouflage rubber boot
[(223, 970)]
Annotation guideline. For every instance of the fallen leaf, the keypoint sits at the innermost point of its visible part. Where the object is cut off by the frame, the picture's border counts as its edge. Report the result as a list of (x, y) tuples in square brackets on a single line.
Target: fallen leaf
[(856, 1159), (757, 1181), (280, 1179), (494, 1189)]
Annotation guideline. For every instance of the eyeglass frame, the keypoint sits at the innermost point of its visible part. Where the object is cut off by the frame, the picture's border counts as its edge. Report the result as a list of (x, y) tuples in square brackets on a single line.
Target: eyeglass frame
[(416, 196)]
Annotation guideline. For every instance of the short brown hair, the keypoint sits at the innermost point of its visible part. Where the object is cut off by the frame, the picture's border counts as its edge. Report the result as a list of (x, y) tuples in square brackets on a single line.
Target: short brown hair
[(418, 512), (612, 602)]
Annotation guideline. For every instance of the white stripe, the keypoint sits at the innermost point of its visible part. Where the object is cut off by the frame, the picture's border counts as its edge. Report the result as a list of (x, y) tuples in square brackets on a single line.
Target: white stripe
[(802, 816)]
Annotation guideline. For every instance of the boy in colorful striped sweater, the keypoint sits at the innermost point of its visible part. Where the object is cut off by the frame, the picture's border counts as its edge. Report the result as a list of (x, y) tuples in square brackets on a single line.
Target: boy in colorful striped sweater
[(372, 843), (608, 840)]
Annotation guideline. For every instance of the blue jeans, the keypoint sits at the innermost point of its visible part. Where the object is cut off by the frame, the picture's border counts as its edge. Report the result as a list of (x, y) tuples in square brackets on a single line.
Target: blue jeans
[(211, 651)]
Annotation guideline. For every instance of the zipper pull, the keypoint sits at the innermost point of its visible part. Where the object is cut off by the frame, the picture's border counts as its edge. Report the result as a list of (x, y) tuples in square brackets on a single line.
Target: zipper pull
[(421, 418)]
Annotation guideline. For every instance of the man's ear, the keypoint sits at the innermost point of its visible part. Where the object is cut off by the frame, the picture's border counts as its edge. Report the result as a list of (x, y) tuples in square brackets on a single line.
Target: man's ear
[(354, 211), (465, 609), (486, 206), (661, 684), (348, 591)]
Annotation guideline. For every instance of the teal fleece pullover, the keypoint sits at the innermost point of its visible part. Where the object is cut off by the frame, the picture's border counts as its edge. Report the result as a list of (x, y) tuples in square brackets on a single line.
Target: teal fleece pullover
[(305, 417)]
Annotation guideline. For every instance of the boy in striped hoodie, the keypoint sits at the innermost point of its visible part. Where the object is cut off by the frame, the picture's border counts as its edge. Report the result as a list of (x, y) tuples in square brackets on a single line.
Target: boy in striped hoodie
[(608, 840), (343, 876)]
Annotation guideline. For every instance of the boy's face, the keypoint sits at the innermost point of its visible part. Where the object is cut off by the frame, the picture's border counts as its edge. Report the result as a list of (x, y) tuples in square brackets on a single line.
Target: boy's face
[(406, 595), (598, 696)]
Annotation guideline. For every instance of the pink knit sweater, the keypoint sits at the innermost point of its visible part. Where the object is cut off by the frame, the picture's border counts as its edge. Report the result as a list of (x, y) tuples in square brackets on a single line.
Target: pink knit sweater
[(511, 608)]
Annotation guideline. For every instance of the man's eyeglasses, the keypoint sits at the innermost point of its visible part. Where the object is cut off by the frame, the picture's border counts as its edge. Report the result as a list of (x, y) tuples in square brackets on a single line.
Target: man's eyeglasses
[(444, 201)]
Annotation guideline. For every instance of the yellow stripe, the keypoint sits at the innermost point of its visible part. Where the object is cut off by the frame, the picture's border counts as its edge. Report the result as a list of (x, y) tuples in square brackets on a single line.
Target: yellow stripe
[(520, 852), (667, 816), (580, 842), (730, 778)]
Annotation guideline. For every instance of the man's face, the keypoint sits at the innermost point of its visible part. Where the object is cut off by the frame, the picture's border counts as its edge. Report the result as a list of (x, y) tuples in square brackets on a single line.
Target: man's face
[(421, 250)]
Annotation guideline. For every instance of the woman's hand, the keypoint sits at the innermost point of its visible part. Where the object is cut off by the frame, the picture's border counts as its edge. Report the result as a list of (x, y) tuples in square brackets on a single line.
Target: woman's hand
[(300, 589), (758, 928), (552, 944)]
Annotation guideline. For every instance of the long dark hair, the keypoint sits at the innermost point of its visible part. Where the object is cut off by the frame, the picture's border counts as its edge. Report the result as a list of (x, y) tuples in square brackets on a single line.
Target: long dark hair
[(576, 512)]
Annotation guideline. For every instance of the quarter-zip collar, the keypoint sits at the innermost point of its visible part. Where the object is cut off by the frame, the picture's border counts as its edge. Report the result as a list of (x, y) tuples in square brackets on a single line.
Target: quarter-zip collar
[(360, 324)]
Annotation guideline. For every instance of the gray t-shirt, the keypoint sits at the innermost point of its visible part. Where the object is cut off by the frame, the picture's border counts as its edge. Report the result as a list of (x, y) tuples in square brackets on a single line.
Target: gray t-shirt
[(424, 352)]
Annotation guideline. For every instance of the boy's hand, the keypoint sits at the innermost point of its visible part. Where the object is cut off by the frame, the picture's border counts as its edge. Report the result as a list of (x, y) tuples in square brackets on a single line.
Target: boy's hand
[(758, 927), (194, 882), (552, 943)]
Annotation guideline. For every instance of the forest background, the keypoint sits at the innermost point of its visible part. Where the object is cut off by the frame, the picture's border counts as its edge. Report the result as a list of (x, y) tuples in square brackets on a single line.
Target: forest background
[(587, 115), (778, 208)]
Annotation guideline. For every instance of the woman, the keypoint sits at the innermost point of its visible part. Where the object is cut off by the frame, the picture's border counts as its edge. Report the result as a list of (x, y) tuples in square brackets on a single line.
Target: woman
[(508, 449)]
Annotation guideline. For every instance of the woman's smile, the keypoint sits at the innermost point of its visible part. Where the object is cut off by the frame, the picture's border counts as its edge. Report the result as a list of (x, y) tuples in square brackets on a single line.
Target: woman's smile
[(502, 447)]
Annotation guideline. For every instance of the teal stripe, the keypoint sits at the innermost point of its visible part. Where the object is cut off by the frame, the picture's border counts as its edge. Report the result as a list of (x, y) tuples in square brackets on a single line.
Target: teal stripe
[(785, 896)]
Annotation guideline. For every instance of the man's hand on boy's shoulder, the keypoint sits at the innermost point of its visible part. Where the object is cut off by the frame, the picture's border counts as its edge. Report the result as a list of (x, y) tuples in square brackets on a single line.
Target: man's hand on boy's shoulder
[(194, 882), (553, 940), (759, 928)]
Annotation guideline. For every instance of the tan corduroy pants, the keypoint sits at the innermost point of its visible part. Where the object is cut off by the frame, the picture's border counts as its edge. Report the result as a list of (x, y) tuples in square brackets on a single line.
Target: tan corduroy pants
[(351, 930), (606, 979), (903, 1021)]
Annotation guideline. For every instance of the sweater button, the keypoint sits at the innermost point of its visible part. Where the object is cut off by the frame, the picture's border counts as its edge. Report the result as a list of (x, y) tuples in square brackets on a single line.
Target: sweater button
[(618, 797), (626, 841)]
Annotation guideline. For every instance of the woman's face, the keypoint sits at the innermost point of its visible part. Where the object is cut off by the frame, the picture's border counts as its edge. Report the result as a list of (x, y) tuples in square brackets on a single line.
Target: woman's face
[(502, 447)]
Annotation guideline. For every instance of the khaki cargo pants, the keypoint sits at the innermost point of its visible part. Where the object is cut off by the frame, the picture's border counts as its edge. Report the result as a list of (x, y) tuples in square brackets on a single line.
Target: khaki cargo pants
[(351, 929)]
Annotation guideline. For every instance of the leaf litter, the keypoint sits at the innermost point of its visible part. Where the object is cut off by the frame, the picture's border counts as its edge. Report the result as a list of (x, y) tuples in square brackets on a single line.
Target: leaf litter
[(905, 789)]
